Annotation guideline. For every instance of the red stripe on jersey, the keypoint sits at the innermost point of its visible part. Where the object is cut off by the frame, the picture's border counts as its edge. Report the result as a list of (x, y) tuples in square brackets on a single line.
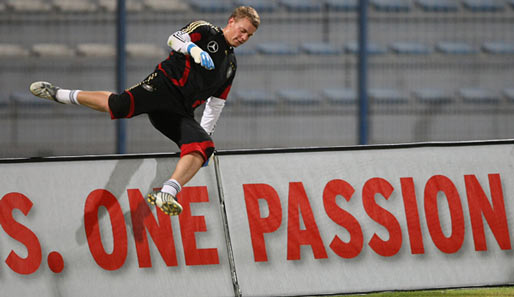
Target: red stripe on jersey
[(195, 37), (184, 77), (162, 70), (224, 95), (131, 109), (200, 147)]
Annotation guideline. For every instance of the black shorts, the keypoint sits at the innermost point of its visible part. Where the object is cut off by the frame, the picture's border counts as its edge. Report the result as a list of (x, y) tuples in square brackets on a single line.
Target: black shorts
[(166, 112)]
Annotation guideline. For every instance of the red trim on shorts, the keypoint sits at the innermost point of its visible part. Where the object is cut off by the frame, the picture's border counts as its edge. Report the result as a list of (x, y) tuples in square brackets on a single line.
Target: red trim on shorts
[(224, 95), (184, 77), (131, 109), (200, 147)]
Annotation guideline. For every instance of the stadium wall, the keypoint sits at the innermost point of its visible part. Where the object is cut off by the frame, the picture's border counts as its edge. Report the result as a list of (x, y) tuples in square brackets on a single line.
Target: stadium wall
[(261, 222)]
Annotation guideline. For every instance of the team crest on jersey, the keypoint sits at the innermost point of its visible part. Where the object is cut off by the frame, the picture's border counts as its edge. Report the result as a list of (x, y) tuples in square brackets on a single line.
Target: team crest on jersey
[(212, 46)]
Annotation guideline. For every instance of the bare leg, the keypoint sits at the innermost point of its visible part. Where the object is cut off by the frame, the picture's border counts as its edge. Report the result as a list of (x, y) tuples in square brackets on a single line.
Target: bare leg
[(187, 167), (97, 100)]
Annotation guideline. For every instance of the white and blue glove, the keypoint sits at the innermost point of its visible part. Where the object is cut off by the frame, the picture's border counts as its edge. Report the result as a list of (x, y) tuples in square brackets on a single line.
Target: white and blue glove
[(201, 57)]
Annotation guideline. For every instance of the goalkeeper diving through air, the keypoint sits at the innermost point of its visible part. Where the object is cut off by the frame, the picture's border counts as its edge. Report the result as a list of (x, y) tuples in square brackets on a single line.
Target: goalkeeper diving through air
[(200, 68)]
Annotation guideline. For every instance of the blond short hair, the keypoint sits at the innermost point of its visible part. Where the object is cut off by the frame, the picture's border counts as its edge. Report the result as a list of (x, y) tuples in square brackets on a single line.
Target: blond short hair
[(247, 12)]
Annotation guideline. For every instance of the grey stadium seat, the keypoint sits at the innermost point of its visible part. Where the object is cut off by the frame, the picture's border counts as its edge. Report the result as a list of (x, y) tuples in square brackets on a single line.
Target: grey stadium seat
[(96, 50), (259, 5), (166, 5), (438, 5), (52, 50), (342, 5), (302, 5), (391, 5), (12, 50), (75, 6), (130, 5), (145, 50), (212, 6), (28, 5)]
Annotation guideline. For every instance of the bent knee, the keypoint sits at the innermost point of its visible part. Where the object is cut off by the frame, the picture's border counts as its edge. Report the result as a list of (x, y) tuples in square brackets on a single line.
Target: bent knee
[(121, 105), (205, 149)]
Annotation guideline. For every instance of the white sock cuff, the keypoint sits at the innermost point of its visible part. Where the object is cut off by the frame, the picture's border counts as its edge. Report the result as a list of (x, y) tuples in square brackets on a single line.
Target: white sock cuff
[(172, 187), (73, 96), (67, 96)]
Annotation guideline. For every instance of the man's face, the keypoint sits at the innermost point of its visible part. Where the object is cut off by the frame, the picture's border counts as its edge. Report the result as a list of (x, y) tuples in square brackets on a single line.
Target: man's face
[(238, 31)]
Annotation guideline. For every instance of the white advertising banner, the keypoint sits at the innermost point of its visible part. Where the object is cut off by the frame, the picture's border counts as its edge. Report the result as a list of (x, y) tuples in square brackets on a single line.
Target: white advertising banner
[(326, 222), (83, 228)]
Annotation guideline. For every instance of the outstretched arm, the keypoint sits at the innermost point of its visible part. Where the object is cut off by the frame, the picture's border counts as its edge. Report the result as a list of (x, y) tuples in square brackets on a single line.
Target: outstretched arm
[(180, 41)]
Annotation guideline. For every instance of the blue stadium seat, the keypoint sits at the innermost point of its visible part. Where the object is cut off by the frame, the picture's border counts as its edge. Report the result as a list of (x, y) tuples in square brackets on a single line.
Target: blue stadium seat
[(410, 48), (276, 48), (391, 5), (498, 47), (457, 48), (483, 5), (387, 96), (298, 97), (259, 5), (255, 98), (212, 6), (245, 50), (478, 96), (432, 96), (439, 5), (320, 48), (302, 5), (352, 47), (340, 96), (342, 5), (509, 94)]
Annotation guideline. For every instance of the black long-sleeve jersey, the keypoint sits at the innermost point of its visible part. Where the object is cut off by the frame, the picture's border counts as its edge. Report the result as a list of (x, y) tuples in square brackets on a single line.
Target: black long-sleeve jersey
[(195, 83)]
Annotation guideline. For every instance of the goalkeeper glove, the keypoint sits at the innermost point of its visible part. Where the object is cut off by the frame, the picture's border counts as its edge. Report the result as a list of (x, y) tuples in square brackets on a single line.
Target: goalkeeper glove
[(201, 57)]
